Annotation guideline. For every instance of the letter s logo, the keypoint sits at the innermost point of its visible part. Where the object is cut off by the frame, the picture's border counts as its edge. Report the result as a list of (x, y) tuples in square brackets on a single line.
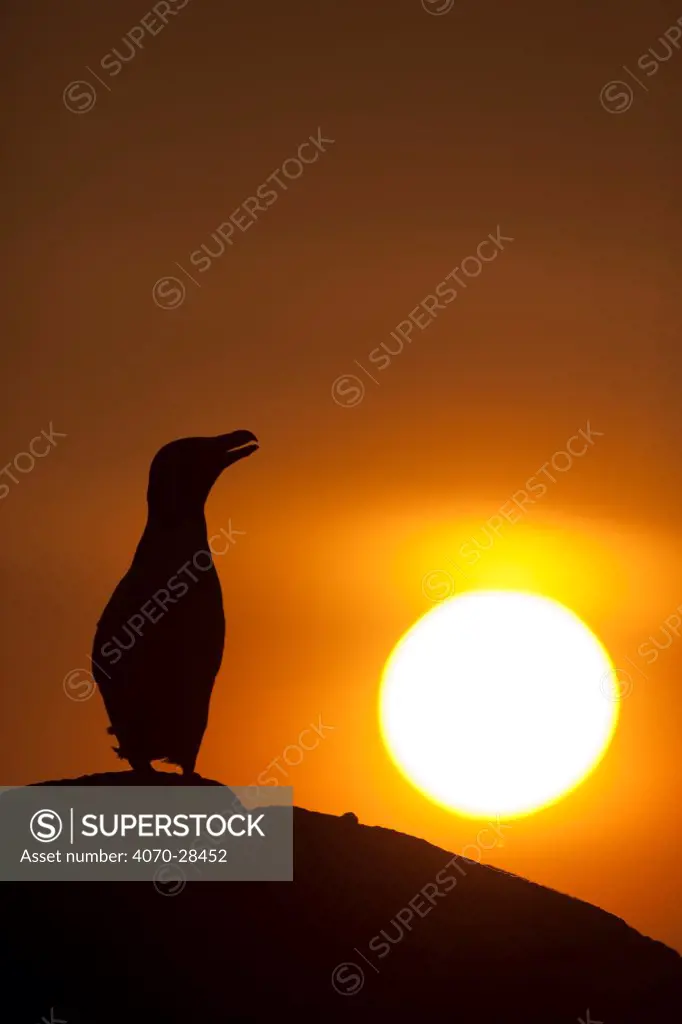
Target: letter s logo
[(46, 826)]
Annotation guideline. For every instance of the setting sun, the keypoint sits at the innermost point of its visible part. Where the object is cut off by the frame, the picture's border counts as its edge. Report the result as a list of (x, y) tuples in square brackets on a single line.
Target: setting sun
[(498, 703)]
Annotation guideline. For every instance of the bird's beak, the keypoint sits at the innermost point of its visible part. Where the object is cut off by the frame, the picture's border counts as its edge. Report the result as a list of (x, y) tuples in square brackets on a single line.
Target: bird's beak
[(237, 445)]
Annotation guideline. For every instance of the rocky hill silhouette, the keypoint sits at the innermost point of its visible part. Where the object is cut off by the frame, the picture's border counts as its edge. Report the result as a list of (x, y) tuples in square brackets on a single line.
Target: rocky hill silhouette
[(338, 943)]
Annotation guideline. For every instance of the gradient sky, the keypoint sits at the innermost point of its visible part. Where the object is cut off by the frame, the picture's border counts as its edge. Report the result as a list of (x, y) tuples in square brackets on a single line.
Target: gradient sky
[(445, 126)]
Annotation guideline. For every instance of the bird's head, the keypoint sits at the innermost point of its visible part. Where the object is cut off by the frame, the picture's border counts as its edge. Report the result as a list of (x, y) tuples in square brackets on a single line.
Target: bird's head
[(183, 472)]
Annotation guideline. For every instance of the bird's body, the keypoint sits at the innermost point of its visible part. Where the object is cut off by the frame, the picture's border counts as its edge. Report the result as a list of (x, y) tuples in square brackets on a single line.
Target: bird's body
[(159, 642), (163, 669)]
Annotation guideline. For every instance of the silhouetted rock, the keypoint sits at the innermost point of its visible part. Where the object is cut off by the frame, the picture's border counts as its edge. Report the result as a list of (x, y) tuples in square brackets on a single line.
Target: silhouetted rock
[(494, 949), (134, 779)]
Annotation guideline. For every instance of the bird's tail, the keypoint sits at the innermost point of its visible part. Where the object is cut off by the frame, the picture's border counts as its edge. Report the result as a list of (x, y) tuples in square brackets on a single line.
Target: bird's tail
[(116, 750)]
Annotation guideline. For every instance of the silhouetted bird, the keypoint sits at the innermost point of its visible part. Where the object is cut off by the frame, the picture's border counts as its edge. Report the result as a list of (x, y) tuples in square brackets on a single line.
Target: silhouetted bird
[(159, 642)]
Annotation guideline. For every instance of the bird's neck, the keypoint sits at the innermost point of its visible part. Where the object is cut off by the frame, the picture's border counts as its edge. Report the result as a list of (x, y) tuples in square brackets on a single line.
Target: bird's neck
[(175, 532)]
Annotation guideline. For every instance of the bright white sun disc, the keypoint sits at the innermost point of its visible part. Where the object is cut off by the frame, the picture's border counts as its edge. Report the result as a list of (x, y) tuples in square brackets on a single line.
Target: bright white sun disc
[(498, 703)]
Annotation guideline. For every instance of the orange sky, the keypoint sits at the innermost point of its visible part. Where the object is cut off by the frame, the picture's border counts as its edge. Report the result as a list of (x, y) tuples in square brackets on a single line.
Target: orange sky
[(444, 127)]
